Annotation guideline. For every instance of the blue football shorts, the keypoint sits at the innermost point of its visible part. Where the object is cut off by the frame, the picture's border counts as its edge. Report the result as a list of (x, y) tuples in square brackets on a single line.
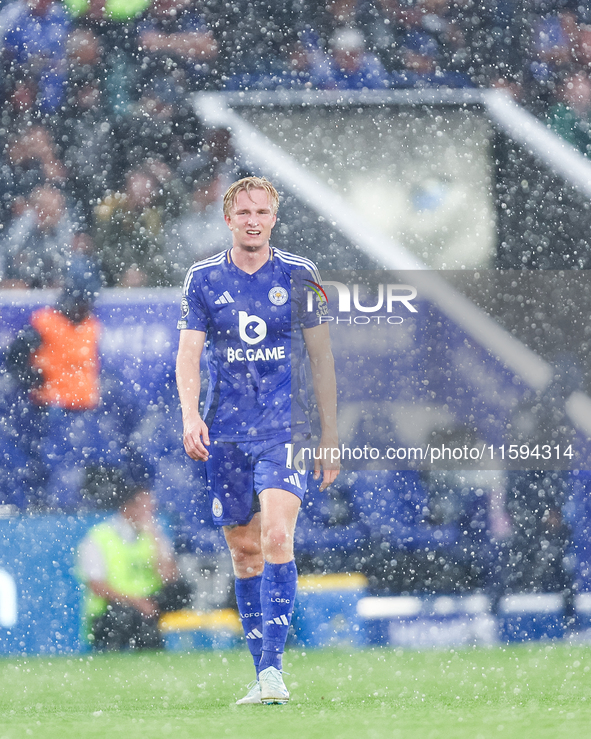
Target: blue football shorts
[(238, 472)]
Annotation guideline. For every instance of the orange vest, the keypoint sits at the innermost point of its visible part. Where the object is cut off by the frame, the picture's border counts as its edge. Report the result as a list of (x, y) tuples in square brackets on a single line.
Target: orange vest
[(69, 360)]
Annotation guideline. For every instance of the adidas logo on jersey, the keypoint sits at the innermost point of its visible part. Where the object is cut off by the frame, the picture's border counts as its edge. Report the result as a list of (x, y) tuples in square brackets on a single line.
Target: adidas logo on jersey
[(224, 299), (293, 480)]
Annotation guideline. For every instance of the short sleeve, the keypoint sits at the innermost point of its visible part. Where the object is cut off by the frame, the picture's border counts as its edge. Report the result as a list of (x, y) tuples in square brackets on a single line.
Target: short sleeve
[(309, 298), (194, 313)]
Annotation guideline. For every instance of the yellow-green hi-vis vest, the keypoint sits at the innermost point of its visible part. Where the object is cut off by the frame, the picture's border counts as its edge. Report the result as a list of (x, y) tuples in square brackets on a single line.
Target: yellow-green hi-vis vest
[(131, 570), (115, 10)]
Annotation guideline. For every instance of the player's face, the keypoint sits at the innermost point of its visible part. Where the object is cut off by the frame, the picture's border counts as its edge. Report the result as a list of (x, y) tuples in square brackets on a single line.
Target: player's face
[(251, 220)]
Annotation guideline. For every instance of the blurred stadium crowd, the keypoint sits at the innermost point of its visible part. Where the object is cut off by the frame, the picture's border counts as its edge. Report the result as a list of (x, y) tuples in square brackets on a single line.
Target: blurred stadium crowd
[(102, 158), (101, 153)]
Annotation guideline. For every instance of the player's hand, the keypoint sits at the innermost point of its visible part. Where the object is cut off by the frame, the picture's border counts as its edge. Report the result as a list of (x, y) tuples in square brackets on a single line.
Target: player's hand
[(145, 606), (195, 439), (328, 458)]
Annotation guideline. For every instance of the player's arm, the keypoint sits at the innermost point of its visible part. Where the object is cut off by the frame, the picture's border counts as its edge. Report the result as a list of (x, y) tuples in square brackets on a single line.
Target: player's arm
[(18, 358), (188, 379), (145, 606), (317, 341)]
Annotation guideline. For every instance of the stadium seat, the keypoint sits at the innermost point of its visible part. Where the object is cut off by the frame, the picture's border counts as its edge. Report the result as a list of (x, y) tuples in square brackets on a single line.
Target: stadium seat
[(394, 507), (327, 522)]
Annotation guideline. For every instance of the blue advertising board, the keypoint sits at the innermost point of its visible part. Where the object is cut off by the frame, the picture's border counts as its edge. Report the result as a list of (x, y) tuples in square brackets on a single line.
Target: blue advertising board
[(39, 594)]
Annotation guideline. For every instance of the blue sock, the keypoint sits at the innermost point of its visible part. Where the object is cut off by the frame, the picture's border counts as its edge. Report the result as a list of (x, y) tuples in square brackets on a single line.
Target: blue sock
[(278, 591), (248, 598)]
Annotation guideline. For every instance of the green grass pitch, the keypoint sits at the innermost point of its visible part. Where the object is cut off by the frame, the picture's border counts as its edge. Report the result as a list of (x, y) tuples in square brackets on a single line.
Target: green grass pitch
[(520, 691)]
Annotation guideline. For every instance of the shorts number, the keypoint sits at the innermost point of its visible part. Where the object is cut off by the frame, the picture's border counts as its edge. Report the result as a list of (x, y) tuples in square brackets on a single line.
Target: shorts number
[(298, 462)]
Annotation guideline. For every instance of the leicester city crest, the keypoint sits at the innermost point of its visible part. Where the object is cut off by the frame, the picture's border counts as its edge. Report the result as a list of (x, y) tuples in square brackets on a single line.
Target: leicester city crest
[(184, 308), (216, 508), (278, 295)]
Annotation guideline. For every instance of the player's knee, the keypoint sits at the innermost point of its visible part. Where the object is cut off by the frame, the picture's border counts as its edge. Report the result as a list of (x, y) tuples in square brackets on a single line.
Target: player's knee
[(247, 558), (277, 542), (241, 556)]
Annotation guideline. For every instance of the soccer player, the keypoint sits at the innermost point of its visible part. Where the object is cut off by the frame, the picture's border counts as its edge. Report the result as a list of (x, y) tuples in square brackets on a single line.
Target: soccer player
[(248, 307)]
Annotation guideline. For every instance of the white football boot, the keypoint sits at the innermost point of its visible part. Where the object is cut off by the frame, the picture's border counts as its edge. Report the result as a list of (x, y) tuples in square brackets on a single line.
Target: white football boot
[(273, 688), (253, 695)]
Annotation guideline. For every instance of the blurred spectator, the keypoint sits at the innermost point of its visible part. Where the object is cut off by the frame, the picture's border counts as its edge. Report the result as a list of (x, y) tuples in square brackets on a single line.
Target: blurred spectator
[(36, 246), (84, 50), (19, 113), (30, 161), (129, 229), (583, 47), (177, 43), (200, 232), (87, 132), (253, 36), (554, 42), (320, 21), (420, 53), (59, 363), (350, 66), (20, 105), (434, 36), (160, 125), (35, 149), (571, 117), (55, 360), (309, 55), (383, 23), (34, 35), (440, 22), (339, 13), (128, 567), (86, 64), (115, 23), (554, 37), (423, 63)]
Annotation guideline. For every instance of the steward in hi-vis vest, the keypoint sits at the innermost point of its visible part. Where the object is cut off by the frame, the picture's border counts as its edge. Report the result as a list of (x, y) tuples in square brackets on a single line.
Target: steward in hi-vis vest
[(130, 566), (127, 567)]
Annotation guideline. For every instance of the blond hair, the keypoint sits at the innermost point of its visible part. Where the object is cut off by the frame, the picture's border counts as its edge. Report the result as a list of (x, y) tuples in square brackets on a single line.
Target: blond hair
[(246, 184)]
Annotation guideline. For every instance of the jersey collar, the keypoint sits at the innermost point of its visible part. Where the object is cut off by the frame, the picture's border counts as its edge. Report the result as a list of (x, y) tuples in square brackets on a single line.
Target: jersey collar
[(271, 258)]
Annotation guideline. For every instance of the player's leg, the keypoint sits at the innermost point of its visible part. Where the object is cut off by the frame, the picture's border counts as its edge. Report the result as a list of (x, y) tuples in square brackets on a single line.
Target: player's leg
[(279, 512), (244, 543), (235, 507)]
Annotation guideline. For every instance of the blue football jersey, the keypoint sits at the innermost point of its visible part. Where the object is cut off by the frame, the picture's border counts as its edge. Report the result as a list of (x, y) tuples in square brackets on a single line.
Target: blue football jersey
[(254, 346)]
